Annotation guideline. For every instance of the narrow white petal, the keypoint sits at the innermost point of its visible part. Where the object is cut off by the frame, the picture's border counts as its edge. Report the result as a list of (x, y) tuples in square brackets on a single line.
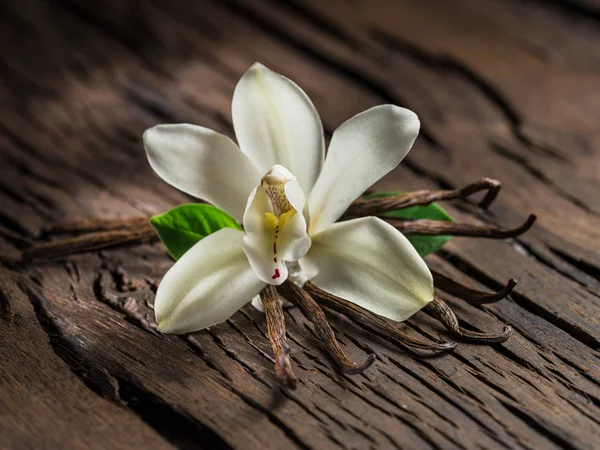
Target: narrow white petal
[(202, 163), (370, 263), (207, 285), (270, 248), (276, 123), (362, 150)]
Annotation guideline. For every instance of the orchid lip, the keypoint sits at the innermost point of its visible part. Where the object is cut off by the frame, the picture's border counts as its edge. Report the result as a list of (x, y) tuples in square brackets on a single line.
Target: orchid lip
[(275, 228)]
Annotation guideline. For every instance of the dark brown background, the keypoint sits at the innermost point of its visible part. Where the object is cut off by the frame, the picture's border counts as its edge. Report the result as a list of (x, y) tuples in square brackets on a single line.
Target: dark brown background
[(504, 89)]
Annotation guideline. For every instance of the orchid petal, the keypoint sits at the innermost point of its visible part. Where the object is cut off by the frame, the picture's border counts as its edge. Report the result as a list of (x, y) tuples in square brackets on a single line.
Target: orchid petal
[(268, 245), (276, 123), (207, 285), (362, 150), (368, 262), (202, 163)]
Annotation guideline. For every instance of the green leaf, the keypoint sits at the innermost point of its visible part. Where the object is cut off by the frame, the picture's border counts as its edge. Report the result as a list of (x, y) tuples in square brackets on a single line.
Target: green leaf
[(424, 244), (180, 228)]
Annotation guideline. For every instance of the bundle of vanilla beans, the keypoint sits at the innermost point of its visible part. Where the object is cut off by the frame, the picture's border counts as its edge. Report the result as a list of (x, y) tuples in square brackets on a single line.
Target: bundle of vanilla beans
[(95, 234)]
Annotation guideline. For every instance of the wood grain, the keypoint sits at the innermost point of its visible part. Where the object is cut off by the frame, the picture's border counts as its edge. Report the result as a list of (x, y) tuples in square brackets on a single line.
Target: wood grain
[(505, 90)]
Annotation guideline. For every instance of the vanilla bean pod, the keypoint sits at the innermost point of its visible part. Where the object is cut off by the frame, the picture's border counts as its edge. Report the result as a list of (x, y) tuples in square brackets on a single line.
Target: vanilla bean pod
[(315, 314), (378, 205), (108, 233), (473, 296), (438, 309), (105, 233), (276, 332), (427, 227), (90, 242), (90, 225), (373, 322)]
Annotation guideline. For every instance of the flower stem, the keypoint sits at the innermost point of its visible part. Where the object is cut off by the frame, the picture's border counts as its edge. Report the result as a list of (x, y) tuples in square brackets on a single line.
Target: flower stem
[(315, 314), (373, 322), (276, 332), (438, 227), (472, 296), (438, 309), (375, 206)]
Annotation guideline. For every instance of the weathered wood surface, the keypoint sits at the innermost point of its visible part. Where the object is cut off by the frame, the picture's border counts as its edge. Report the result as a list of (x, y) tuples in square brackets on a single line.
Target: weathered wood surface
[(504, 89)]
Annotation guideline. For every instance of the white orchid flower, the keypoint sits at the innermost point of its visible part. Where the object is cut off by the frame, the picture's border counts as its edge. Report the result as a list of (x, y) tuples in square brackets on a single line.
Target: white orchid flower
[(287, 195)]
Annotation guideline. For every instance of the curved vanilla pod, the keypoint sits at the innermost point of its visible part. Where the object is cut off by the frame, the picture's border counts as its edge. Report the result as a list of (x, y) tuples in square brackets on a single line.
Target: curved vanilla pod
[(373, 322), (441, 227), (315, 314), (442, 312), (472, 296), (378, 205), (276, 332)]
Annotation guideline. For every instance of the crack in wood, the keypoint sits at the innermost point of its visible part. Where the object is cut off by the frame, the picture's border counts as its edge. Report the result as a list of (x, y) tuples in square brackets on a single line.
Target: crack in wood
[(526, 303), (580, 9), (6, 314), (124, 304), (449, 64), (524, 164), (170, 421), (563, 441), (247, 13), (572, 272), (579, 264)]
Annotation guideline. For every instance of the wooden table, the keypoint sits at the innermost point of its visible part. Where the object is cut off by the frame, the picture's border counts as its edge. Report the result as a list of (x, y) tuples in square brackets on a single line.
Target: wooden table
[(504, 89)]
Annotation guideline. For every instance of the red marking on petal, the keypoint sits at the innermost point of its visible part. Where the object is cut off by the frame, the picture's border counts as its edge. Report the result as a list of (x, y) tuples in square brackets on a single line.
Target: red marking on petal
[(276, 274), (274, 259), (274, 247)]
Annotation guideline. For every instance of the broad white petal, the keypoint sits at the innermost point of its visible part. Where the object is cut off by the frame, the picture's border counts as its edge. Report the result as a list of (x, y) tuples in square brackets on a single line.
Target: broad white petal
[(270, 248), (206, 285), (370, 263), (276, 123), (202, 163), (362, 150)]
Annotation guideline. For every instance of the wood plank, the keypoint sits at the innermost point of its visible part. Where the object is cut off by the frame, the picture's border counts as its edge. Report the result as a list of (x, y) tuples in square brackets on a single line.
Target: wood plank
[(42, 399), (70, 128)]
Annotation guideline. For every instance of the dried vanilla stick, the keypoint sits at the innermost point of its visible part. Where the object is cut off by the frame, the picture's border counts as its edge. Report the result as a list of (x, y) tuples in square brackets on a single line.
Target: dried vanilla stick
[(473, 296), (315, 314), (427, 227), (438, 309), (90, 225), (90, 242), (276, 332), (375, 206), (373, 322)]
